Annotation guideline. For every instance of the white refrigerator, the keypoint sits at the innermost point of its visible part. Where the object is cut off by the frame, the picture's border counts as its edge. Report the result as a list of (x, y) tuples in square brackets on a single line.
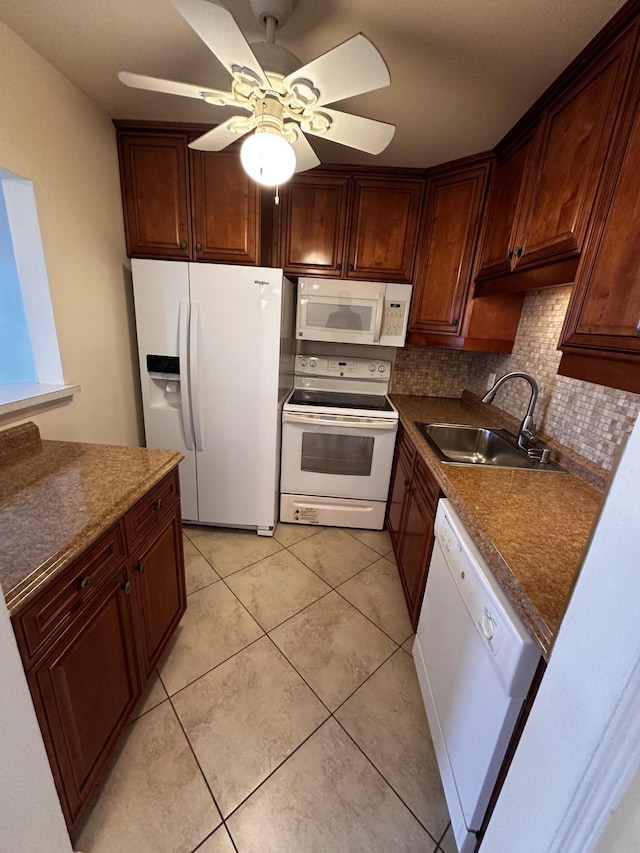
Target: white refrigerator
[(216, 349)]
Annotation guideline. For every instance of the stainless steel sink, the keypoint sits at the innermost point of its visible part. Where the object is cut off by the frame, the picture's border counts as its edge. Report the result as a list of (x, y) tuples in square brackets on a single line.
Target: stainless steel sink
[(460, 444)]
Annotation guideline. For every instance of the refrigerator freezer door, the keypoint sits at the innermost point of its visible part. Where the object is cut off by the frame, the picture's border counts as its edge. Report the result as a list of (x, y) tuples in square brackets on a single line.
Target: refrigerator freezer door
[(239, 312), (161, 294)]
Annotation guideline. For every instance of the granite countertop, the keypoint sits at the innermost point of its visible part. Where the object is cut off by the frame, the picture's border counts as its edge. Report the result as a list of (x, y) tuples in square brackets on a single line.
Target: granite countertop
[(531, 527), (57, 497)]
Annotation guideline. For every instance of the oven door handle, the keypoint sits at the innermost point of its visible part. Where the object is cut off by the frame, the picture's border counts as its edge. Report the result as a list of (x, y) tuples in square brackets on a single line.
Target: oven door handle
[(295, 418)]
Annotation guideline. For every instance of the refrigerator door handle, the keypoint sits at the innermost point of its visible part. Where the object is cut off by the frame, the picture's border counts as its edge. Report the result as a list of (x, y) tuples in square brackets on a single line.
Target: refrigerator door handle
[(194, 374), (183, 336)]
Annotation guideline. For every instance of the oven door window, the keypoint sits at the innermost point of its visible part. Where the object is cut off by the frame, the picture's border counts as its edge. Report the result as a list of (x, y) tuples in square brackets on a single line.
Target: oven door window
[(332, 453)]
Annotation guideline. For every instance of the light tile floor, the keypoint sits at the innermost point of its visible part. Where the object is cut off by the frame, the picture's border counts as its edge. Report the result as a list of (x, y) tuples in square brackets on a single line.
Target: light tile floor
[(285, 715)]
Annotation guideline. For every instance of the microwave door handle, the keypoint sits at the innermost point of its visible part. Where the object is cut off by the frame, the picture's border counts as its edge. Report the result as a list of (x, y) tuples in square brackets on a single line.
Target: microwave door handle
[(379, 318), (185, 407)]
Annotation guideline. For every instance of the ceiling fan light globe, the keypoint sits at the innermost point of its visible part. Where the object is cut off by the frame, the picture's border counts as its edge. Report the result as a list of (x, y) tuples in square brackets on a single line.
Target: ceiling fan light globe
[(268, 158)]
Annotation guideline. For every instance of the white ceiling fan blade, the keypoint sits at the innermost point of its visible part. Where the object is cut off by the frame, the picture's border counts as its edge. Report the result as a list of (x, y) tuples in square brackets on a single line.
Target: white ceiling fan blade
[(351, 68), (171, 87), (305, 155), (219, 31), (219, 137), (365, 134)]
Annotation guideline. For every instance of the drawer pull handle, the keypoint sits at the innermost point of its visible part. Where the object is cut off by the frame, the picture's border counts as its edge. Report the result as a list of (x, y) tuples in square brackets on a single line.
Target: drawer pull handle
[(85, 582), (140, 568), (127, 587), (157, 504)]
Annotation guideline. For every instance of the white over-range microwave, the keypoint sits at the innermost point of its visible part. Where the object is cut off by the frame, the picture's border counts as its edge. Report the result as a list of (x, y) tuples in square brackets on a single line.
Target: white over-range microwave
[(352, 312)]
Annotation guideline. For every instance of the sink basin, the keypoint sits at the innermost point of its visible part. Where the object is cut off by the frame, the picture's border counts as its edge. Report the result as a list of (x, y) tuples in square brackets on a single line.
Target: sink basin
[(459, 444)]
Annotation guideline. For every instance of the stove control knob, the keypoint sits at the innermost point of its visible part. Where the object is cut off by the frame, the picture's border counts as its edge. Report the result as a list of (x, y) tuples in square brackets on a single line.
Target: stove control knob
[(313, 362), (372, 368), (382, 368), (303, 362)]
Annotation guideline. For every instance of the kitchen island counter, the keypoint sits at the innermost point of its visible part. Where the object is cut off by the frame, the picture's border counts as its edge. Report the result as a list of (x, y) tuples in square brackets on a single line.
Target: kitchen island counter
[(57, 497), (531, 527)]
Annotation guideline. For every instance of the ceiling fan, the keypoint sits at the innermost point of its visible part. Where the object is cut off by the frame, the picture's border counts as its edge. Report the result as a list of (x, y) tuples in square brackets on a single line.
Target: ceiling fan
[(283, 99)]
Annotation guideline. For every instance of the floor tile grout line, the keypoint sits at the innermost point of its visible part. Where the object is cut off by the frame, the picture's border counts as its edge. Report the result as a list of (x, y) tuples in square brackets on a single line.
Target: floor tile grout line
[(362, 683), (275, 769), (193, 681), (382, 776), (295, 669), (195, 758), (362, 613), (311, 569)]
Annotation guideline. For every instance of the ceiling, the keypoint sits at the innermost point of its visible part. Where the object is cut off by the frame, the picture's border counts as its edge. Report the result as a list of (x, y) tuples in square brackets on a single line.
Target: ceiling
[(462, 71)]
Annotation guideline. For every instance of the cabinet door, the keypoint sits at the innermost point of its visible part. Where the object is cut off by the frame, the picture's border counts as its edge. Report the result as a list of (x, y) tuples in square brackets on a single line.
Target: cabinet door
[(314, 221), (447, 243), (84, 690), (604, 313), (398, 493), (416, 550), (158, 571), (226, 209), (384, 227), (154, 173), (570, 149), (501, 212)]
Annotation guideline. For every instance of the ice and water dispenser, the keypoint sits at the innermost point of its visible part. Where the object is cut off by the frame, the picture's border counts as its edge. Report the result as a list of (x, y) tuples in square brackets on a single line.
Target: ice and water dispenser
[(164, 382)]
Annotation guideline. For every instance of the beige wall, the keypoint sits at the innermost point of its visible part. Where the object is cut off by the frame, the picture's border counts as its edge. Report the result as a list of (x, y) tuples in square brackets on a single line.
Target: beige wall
[(51, 133)]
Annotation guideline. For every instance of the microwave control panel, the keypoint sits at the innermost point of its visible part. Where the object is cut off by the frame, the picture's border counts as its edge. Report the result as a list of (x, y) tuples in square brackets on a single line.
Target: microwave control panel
[(394, 316)]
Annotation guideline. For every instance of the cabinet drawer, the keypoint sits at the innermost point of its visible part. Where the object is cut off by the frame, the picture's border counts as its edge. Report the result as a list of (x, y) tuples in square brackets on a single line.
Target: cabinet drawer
[(151, 509), (426, 482), (53, 610)]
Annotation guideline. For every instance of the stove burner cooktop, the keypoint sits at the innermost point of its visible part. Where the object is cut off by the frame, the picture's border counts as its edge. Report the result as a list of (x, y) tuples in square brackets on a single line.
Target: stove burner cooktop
[(372, 402)]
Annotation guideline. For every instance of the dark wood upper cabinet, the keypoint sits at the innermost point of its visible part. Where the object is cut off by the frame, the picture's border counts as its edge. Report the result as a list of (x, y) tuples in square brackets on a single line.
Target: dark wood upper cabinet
[(341, 225), (314, 222), (601, 335), (448, 240), (571, 145), (543, 192), (181, 204), (226, 209), (154, 173), (505, 190), (384, 229)]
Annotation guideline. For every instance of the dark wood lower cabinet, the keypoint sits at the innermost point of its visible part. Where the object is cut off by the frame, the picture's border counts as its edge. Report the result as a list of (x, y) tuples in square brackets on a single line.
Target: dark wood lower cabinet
[(117, 606), (411, 510), (84, 690), (160, 591)]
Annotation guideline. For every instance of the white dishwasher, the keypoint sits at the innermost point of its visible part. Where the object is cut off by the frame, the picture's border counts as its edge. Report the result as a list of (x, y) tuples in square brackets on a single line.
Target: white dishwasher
[(475, 663)]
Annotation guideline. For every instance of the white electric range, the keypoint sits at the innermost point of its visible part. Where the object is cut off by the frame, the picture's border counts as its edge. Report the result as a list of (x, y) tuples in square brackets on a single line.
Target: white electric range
[(338, 437)]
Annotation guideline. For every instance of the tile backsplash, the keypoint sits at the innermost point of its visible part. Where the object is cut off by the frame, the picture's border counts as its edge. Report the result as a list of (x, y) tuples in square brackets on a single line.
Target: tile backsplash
[(590, 419)]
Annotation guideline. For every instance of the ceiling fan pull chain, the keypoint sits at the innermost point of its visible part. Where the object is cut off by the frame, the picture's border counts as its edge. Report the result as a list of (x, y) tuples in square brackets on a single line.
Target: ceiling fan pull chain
[(276, 198)]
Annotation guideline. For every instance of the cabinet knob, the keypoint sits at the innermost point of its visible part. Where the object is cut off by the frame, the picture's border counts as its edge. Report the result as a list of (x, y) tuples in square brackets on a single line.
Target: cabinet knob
[(517, 252), (350, 267), (407, 483), (509, 254), (140, 568), (127, 587), (157, 504), (198, 247), (338, 266), (85, 582), (183, 245), (454, 322)]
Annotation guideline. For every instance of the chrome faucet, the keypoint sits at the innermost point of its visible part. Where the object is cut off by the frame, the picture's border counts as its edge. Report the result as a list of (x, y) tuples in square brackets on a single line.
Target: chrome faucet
[(527, 430)]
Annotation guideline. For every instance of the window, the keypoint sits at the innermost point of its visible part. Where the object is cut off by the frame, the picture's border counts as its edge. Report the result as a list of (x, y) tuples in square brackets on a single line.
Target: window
[(30, 367)]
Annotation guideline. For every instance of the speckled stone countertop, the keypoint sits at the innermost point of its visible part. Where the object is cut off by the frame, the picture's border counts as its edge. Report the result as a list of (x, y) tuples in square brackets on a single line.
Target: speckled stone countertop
[(531, 527), (57, 497)]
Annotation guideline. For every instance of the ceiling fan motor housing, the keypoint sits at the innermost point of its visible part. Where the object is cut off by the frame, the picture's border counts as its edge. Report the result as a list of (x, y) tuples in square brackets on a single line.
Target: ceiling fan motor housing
[(280, 10)]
